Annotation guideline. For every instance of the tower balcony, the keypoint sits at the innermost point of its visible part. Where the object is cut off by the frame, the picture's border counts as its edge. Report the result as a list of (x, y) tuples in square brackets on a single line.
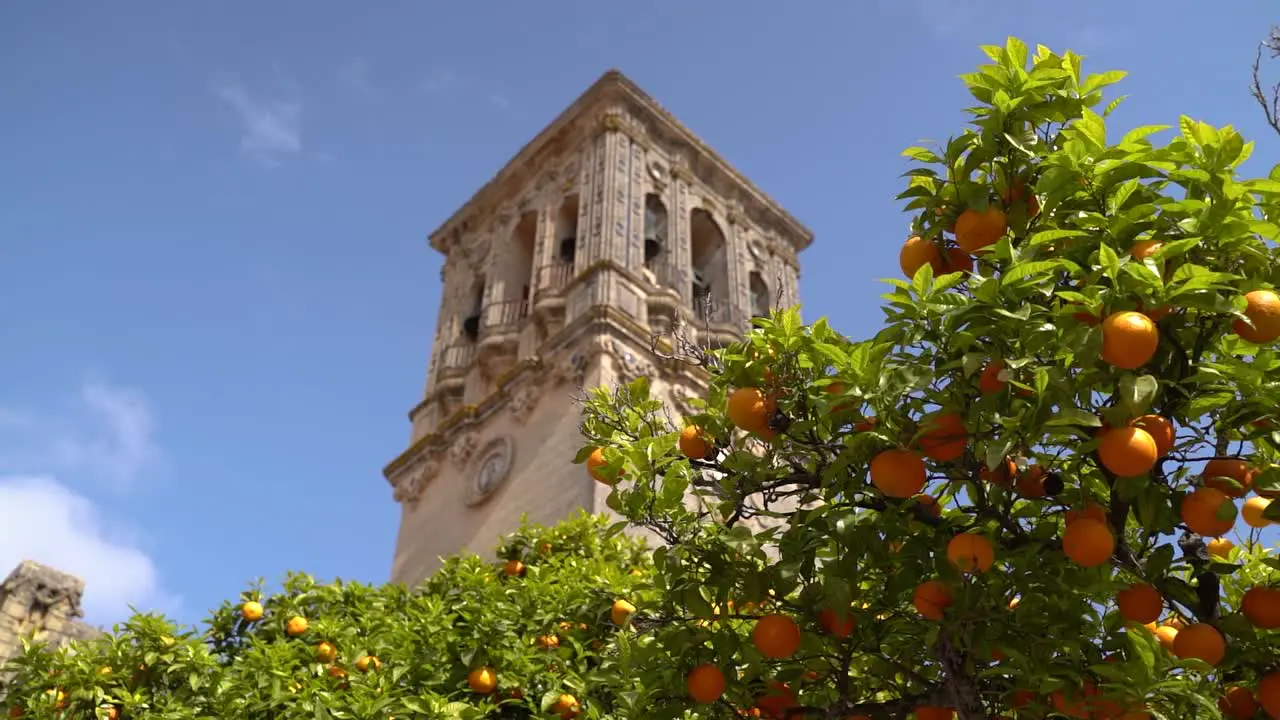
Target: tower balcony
[(715, 325), (455, 361), (499, 336)]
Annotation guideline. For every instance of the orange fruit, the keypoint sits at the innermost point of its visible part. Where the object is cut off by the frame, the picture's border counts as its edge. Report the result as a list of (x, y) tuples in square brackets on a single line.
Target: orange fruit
[(1263, 309), (705, 683), (776, 636), (971, 552), (777, 700), (945, 436), (296, 626), (694, 444), (1140, 603), (621, 612), (750, 409), (1200, 641), (1144, 249), (1129, 339), (482, 680), (1128, 451), (976, 231), (1269, 693), (930, 504), (1220, 547), (953, 260), (595, 467), (566, 706), (1233, 469), (326, 652), (1089, 511), (867, 423), (1160, 429), (898, 473), (1017, 192), (1200, 510), (252, 611), (916, 253), (1030, 482), (367, 663), (840, 624), (989, 381), (1003, 475), (932, 598), (1238, 703), (1252, 512), (512, 568), (1167, 634), (1261, 606), (934, 712), (1088, 543)]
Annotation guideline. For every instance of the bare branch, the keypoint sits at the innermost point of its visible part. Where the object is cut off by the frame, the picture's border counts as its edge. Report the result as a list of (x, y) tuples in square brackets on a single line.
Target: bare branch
[(1269, 102)]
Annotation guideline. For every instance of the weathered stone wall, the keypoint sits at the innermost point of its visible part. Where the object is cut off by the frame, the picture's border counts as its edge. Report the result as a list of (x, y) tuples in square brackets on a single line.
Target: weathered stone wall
[(40, 602)]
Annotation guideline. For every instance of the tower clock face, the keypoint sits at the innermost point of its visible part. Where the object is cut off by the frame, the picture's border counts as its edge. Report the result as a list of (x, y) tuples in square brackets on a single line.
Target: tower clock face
[(492, 470)]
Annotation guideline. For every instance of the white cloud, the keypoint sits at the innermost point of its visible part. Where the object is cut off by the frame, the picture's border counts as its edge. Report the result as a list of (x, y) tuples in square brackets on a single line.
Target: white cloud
[(49, 523), (271, 129), (500, 101), (106, 436), (355, 76)]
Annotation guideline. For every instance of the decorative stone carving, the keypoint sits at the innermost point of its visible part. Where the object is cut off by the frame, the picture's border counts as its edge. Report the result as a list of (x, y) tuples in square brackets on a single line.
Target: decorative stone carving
[(463, 447), (570, 369), (627, 363), (408, 491), (492, 470), (524, 401)]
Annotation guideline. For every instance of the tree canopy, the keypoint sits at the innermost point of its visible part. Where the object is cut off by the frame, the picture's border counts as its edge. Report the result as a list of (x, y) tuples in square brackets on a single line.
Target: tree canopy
[(1039, 491), (1070, 410)]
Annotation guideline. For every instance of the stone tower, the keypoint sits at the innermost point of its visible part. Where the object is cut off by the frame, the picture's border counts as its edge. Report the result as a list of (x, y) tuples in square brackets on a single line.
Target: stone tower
[(612, 224), (40, 601)]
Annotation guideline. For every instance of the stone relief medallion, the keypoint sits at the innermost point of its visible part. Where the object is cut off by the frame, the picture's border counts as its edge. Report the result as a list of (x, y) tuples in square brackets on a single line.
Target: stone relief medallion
[(463, 447), (492, 470), (525, 400)]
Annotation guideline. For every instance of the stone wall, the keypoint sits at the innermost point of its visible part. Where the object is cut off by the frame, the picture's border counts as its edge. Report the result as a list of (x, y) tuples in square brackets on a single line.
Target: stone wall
[(41, 602)]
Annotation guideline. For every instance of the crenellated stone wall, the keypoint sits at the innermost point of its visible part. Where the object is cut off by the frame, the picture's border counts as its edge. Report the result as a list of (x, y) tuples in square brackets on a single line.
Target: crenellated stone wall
[(40, 602)]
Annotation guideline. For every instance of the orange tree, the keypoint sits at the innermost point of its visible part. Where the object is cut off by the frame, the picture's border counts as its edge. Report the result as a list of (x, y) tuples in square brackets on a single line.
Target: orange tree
[(975, 513), (530, 635)]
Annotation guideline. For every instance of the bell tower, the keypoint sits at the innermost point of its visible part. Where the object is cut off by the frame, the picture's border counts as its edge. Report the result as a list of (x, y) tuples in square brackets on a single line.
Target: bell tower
[(610, 226)]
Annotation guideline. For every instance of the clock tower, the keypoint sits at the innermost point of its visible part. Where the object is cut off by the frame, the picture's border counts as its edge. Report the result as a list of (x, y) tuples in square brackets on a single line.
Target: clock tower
[(612, 225)]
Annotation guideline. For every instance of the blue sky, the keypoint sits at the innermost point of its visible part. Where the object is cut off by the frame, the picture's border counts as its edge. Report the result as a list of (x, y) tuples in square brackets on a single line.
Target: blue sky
[(217, 300)]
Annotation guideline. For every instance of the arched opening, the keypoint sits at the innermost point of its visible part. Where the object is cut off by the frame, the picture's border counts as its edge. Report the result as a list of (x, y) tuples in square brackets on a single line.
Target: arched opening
[(471, 322), (710, 256), (520, 262), (655, 230), (567, 230), (758, 289)]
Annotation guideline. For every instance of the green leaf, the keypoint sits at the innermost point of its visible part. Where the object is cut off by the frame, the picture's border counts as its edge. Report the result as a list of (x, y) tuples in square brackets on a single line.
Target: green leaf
[(1272, 512), (1073, 417), (1093, 127), (1138, 392)]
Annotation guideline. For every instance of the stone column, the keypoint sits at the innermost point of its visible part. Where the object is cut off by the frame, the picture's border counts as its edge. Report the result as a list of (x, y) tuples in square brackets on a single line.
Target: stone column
[(678, 219)]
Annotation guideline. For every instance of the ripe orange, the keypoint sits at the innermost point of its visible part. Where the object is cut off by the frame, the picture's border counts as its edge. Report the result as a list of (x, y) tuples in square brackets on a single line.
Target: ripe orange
[(1200, 512), (1088, 543), (1200, 641), (1128, 451), (621, 612), (953, 260), (296, 626), (1220, 547), (326, 652), (1238, 703), (930, 504), (1140, 603), (1233, 469), (1089, 511), (977, 231), (916, 253), (1167, 634), (1003, 475), (1017, 192), (1269, 693), (750, 409), (898, 473), (989, 381), (777, 701), (1030, 482), (482, 680), (840, 624), (776, 636), (548, 642), (512, 568), (595, 467), (705, 683), (252, 611), (368, 662), (1129, 339), (1160, 429), (971, 553), (1144, 249), (932, 598), (945, 436), (1261, 606), (1263, 309), (934, 712), (694, 443), (566, 706), (1252, 512)]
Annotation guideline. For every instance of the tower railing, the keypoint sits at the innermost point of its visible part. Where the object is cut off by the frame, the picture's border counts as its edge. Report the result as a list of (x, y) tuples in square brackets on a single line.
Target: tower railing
[(554, 278), (456, 358), (663, 274), (504, 314)]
